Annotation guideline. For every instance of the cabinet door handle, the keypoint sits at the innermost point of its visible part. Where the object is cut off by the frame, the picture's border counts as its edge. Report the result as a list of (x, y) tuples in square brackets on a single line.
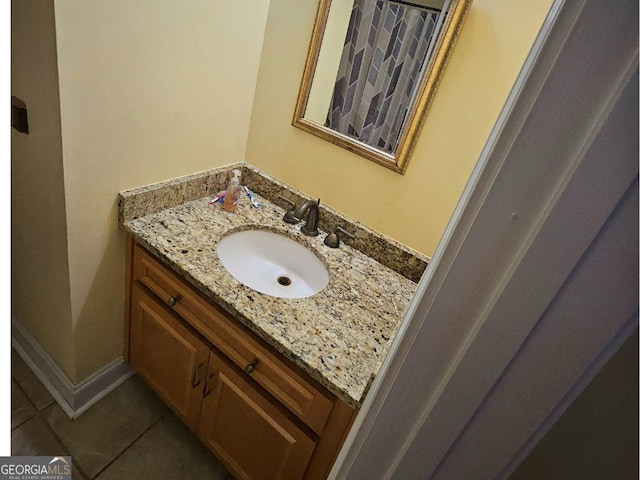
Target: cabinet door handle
[(251, 367), (206, 391), (173, 300), (195, 381)]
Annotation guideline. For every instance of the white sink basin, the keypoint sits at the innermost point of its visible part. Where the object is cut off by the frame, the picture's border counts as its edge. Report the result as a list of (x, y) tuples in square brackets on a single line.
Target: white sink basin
[(272, 264)]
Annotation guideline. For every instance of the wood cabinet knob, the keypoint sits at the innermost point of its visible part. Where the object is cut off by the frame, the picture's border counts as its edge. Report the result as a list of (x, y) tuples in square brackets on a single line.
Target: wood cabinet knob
[(251, 367), (173, 300)]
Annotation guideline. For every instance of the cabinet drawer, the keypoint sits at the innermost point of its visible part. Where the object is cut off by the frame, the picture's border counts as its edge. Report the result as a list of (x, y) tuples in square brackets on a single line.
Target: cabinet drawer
[(240, 345)]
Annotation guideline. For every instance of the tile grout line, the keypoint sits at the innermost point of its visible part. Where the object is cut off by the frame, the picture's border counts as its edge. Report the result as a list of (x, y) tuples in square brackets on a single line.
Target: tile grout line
[(76, 464), (128, 447), (33, 405), (40, 413), (61, 442)]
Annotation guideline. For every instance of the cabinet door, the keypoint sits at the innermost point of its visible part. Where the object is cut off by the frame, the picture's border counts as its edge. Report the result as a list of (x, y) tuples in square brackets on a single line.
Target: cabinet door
[(168, 356), (250, 434)]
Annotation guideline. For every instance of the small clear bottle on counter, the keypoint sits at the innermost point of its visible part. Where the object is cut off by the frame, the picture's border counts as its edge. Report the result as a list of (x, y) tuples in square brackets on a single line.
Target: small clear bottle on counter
[(234, 190)]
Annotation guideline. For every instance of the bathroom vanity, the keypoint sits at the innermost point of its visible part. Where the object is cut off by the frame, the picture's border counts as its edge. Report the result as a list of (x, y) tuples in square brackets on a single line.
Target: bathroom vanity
[(270, 385)]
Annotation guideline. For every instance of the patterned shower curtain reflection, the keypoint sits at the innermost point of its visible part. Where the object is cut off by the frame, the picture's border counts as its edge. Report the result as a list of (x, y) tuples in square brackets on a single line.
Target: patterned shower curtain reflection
[(385, 48)]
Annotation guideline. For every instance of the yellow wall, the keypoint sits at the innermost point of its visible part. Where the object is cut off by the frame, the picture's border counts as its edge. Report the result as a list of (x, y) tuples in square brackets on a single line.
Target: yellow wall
[(149, 90), (416, 207), (155, 89), (39, 264)]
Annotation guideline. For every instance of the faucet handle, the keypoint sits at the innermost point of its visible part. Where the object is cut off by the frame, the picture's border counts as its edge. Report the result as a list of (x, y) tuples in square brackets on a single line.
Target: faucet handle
[(289, 216), (333, 240), (293, 205)]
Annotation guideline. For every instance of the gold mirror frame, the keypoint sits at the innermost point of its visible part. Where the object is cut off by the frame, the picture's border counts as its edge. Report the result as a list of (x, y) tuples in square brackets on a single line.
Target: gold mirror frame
[(417, 110)]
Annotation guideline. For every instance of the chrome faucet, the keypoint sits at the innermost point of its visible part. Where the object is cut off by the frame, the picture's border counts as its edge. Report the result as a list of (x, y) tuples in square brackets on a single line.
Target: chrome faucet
[(311, 227)]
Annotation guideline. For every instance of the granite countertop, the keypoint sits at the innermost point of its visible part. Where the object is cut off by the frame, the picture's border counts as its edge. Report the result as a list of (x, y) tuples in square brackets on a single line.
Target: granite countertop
[(339, 336)]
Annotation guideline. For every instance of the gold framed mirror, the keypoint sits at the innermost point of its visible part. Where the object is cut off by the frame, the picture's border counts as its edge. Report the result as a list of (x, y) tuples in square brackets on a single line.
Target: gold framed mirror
[(355, 56)]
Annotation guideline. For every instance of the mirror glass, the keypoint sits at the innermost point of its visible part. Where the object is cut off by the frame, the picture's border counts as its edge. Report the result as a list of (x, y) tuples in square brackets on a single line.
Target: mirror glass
[(372, 70)]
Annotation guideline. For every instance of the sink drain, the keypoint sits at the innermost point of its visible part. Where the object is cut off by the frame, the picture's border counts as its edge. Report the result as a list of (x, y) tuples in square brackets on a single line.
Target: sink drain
[(284, 281)]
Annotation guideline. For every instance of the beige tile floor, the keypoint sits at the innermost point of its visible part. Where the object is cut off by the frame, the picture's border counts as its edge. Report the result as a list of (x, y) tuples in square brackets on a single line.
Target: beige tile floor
[(130, 434)]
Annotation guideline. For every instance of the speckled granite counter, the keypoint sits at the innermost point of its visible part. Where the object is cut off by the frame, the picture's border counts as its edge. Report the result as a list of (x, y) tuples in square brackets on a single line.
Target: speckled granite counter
[(339, 336)]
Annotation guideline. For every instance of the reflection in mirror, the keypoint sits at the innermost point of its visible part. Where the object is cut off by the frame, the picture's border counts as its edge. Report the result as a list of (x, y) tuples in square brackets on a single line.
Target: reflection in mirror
[(372, 69), (384, 51)]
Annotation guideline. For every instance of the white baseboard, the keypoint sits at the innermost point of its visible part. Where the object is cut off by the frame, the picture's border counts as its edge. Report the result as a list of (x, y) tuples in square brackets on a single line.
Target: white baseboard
[(73, 399)]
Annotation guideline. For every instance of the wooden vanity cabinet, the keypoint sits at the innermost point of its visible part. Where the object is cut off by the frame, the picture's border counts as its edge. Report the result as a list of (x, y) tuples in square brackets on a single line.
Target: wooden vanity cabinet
[(257, 412), (244, 429), (168, 356)]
